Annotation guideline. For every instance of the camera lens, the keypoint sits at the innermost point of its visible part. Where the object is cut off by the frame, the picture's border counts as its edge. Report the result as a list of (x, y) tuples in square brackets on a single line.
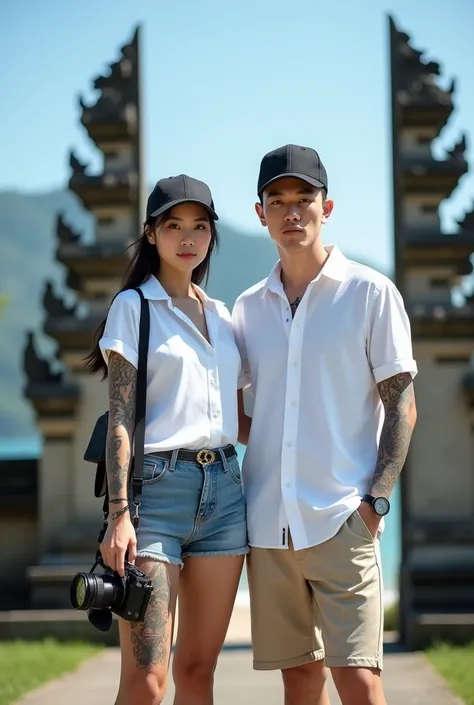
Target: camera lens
[(89, 590), (78, 592)]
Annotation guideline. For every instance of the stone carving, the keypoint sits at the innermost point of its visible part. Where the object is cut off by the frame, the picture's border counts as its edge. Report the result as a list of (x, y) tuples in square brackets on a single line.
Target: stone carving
[(118, 89), (37, 370), (466, 224), (54, 305), (414, 79), (74, 281), (458, 149), (75, 164), (64, 232)]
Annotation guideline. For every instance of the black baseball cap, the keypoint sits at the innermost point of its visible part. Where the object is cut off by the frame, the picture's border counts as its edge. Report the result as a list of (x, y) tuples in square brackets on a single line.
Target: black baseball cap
[(179, 189), (292, 160)]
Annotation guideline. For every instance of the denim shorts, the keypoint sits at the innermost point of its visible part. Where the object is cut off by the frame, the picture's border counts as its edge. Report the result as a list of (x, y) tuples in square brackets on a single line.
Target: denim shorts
[(191, 510)]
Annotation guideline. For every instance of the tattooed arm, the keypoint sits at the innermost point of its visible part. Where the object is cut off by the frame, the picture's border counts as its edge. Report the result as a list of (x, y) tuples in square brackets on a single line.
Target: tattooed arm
[(122, 393), (120, 535), (398, 398)]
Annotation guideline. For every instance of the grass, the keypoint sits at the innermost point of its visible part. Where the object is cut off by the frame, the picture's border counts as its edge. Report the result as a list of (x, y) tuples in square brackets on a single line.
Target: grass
[(456, 665), (391, 618), (25, 666)]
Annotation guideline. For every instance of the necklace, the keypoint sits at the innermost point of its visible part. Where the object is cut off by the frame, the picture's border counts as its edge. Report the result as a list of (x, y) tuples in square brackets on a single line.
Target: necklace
[(294, 305)]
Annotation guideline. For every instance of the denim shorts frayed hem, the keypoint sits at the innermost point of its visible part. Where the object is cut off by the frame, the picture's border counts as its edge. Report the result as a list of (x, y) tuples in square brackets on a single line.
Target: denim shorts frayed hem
[(203, 554), (149, 555), (172, 560)]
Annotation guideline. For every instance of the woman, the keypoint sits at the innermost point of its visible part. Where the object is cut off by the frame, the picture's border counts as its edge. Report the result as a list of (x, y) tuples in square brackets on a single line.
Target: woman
[(192, 534)]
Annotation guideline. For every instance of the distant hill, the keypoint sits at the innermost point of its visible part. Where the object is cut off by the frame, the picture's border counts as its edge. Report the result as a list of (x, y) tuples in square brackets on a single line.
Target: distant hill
[(28, 243)]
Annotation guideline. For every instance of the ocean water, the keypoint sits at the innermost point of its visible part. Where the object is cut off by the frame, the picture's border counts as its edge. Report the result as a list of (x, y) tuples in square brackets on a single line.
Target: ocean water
[(390, 543)]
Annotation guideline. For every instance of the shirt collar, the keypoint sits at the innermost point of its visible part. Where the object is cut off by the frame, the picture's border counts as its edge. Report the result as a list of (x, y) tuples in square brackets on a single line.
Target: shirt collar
[(153, 290), (334, 268)]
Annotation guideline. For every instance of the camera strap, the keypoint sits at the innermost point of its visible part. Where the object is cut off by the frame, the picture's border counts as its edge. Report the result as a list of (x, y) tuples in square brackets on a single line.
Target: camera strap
[(140, 406), (140, 413)]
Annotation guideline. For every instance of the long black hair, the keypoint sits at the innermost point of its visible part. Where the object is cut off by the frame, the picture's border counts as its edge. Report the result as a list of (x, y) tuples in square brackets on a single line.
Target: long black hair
[(144, 263)]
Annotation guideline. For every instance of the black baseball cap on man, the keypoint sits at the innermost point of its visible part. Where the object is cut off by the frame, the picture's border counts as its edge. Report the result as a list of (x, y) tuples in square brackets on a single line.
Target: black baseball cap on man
[(292, 160), (174, 190)]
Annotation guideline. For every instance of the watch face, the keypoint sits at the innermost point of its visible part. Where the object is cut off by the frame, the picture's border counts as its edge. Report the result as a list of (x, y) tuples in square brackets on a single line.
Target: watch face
[(381, 506)]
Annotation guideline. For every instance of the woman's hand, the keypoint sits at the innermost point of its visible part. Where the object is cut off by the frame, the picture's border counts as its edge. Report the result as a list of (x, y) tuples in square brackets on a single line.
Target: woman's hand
[(119, 537)]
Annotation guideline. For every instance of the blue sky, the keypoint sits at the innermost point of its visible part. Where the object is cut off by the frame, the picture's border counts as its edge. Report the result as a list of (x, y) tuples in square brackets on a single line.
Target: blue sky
[(227, 81)]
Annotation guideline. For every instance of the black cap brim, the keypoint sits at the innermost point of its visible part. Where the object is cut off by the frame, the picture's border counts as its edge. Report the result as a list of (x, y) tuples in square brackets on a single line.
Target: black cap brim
[(172, 204), (309, 179)]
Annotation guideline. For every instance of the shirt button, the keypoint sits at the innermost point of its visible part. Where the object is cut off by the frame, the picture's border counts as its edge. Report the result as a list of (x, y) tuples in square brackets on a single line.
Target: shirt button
[(288, 484), (216, 414), (295, 364), (293, 403), (289, 444)]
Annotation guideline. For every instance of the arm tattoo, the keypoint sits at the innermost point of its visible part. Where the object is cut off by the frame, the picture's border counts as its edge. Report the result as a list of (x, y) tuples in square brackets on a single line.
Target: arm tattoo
[(398, 398), (122, 393), (151, 639)]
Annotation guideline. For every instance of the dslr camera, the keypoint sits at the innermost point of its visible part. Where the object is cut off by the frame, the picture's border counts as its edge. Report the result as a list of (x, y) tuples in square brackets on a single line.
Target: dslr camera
[(102, 594)]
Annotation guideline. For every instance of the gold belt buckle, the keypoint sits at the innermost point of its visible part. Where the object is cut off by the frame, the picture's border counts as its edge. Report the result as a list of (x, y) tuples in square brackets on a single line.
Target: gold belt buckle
[(206, 457)]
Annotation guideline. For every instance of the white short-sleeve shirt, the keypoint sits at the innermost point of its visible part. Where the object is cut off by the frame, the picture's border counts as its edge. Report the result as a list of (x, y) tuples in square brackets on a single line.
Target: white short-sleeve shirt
[(317, 413), (191, 384)]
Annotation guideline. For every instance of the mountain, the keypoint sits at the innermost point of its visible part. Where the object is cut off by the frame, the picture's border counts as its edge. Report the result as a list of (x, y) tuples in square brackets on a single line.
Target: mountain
[(28, 244)]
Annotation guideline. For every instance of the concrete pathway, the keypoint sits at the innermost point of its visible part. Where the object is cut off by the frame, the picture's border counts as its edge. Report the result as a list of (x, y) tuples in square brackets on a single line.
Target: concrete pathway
[(408, 678)]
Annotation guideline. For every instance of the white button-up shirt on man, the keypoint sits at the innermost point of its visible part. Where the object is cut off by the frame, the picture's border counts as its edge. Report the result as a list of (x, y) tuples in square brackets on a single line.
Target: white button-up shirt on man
[(191, 384), (317, 413)]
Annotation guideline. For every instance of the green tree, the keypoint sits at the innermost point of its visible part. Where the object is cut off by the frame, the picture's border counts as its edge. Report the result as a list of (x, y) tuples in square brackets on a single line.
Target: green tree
[(3, 304)]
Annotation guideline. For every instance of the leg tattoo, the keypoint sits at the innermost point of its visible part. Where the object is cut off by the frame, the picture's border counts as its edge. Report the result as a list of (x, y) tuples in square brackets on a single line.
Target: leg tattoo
[(150, 638)]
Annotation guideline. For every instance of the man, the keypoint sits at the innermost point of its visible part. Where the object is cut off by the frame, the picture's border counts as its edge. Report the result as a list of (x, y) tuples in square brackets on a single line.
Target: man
[(326, 352)]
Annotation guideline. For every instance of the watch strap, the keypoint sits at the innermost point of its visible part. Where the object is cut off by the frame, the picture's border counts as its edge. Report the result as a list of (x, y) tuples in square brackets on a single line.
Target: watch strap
[(368, 498)]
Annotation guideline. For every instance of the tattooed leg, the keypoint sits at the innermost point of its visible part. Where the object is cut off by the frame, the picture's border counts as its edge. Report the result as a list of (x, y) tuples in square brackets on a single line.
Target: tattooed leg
[(150, 638), (146, 646)]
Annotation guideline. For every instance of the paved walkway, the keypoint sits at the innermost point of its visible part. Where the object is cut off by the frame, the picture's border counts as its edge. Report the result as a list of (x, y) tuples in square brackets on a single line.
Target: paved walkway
[(408, 678)]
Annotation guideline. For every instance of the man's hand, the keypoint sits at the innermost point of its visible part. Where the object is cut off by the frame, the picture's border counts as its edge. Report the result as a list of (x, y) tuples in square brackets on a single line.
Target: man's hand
[(244, 421), (371, 519)]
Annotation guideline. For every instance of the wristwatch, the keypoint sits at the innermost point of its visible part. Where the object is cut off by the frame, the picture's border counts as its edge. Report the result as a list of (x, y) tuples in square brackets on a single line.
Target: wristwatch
[(380, 505)]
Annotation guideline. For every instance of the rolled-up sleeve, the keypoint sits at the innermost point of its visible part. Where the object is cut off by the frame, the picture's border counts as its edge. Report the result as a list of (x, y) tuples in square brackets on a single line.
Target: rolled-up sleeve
[(390, 349), (238, 328), (122, 328)]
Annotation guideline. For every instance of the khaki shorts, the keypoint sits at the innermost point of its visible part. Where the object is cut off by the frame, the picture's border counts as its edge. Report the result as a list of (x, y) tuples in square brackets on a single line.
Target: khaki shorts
[(321, 602)]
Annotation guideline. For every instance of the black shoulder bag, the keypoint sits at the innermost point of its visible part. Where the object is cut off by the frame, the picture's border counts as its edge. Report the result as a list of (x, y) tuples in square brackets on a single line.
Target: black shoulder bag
[(96, 448)]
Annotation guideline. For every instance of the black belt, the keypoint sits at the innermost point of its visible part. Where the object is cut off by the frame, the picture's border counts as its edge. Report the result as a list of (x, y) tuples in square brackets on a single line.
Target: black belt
[(205, 456)]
